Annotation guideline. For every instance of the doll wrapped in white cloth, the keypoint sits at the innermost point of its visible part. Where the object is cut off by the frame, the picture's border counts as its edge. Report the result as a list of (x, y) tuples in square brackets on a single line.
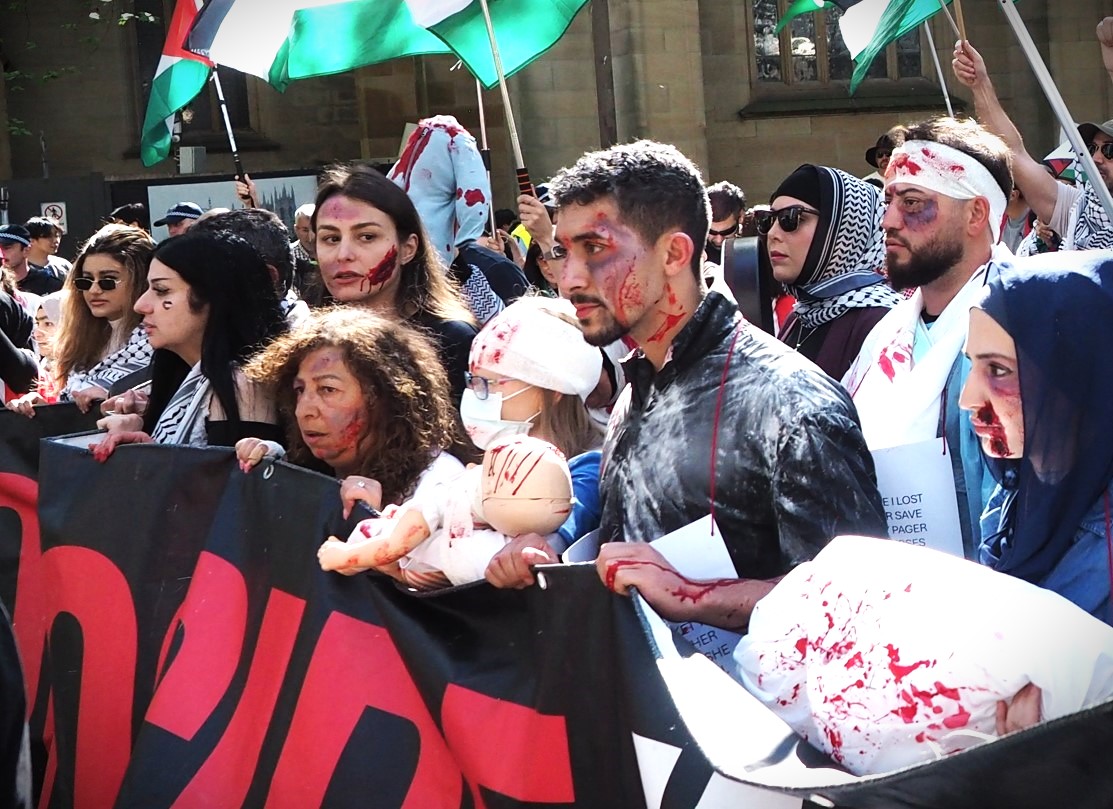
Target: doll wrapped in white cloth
[(885, 655), (449, 536)]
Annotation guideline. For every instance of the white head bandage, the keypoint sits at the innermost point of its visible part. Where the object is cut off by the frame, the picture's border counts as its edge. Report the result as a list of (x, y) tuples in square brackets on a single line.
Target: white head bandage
[(947, 171), (531, 342)]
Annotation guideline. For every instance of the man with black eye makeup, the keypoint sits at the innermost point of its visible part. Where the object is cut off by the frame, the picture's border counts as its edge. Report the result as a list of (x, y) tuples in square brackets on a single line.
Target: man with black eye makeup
[(947, 188)]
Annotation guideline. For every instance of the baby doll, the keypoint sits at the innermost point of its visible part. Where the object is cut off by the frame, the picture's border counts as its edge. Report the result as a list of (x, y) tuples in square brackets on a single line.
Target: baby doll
[(449, 536), (885, 655)]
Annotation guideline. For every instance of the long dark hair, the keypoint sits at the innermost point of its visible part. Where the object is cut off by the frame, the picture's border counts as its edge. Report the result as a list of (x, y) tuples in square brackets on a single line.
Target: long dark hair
[(424, 287), (83, 338), (405, 390), (228, 276)]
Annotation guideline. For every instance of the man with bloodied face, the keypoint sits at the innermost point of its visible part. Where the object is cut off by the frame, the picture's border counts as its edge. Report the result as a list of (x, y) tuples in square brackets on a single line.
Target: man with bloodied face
[(718, 417), (947, 188)]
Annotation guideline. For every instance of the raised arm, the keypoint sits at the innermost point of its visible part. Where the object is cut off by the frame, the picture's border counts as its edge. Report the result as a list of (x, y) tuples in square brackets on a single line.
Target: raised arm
[(1040, 189), (1105, 39)]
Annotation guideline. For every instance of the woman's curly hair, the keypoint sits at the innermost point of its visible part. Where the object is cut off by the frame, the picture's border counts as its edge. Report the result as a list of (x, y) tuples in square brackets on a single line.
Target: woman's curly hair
[(409, 407)]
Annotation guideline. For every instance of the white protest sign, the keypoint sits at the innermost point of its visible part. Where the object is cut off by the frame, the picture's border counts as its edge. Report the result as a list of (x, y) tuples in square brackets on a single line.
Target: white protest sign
[(698, 552), (917, 486)]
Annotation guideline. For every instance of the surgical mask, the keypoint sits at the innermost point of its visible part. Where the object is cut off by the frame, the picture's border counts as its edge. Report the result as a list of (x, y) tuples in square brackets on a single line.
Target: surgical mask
[(483, 418)]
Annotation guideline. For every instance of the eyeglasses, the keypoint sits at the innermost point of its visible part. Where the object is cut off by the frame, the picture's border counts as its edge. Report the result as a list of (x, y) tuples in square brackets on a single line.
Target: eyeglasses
[(85, 283), (727, 232), (881, 155), (788, 218), (481, 385), (1105, 148)]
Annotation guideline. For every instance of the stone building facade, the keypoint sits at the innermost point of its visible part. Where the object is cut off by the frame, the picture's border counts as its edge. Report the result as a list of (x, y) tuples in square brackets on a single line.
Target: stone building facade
[(692, 72)]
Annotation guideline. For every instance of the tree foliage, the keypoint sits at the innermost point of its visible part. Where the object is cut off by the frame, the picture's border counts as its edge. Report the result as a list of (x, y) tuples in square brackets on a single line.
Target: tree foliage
[(89, 20)]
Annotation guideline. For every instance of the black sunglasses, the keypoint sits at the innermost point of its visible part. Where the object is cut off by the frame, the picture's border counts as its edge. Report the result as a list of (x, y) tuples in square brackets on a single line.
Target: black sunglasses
[(85, 283), (788, 218), (1106, 149), (726, 232)]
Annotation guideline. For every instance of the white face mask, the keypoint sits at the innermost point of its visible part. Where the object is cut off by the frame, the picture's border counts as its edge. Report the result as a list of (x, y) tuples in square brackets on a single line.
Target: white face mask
[(483, 418)]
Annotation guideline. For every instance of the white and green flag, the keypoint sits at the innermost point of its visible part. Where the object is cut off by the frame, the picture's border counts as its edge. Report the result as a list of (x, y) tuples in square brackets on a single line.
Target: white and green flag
[(284, 40), (180, 76), (870, 25)]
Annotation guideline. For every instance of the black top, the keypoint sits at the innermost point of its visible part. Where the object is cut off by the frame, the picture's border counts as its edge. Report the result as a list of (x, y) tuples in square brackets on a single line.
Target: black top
[(792, 468), (453, 340), (42, 280), (18, 369)]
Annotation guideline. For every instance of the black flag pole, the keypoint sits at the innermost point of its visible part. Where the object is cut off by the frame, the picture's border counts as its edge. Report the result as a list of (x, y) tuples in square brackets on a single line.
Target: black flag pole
[(228, 128), (1055, 99)]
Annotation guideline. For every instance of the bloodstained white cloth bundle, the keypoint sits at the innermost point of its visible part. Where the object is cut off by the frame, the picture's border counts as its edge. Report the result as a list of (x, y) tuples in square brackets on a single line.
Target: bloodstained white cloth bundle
[(885, 655), (945, 170)]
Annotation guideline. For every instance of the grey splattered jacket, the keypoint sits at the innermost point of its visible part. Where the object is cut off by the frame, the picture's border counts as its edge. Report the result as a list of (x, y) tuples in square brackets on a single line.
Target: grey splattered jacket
[(792, 470)]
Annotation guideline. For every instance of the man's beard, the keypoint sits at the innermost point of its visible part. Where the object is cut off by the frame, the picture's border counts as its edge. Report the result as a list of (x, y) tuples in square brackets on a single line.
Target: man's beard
[(924, 265), (609, 332)]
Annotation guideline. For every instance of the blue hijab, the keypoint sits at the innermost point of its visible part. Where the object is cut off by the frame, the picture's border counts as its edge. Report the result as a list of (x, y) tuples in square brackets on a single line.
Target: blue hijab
[(1058, 308)]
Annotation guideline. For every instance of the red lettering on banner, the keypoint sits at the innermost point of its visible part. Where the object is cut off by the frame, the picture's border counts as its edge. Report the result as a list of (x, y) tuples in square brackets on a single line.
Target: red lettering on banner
[(226, 775), (214, 619), (85, 584), (21, 494), (528, 762), (355, 665)]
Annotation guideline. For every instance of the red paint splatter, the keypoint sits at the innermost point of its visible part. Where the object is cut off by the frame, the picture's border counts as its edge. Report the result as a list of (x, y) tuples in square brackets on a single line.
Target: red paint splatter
[(366, 529), (856, 660), (944, 691), (902, 162), (899, 671), (381, 272), (959, 720), (474, 197), (671, 321), (886, 359), (802, 646)]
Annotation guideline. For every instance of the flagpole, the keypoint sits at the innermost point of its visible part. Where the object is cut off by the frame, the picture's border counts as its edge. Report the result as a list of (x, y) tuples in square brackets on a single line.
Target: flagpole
[(961, 22), (939, 69), (1055, 99), (228, 128), (485, 152), (524, 185), (950, 19)]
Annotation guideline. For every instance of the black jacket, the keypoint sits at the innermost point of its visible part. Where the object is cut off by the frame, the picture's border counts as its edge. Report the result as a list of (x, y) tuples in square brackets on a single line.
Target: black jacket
[(792, 470)]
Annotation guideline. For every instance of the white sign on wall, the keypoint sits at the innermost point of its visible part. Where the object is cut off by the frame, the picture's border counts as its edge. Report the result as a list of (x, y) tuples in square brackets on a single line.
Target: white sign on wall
[(55, 211)]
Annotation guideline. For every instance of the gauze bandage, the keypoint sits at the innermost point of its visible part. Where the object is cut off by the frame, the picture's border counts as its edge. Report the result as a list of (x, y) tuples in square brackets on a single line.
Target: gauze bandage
[(947, 171)]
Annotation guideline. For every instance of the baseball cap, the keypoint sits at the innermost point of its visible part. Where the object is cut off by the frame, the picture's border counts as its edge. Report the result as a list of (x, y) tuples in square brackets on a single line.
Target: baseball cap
[(15, 233), (1088, 129), (183, 210)]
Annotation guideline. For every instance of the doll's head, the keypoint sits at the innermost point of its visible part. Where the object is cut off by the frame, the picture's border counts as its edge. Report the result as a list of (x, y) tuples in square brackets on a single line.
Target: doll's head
[(526, 486)]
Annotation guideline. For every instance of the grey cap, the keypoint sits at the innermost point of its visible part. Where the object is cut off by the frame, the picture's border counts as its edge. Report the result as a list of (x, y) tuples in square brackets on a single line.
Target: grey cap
[(1088, 129)]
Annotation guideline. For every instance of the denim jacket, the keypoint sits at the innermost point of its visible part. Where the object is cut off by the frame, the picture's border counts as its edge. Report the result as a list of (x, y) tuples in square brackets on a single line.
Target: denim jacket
[(1082, 575)]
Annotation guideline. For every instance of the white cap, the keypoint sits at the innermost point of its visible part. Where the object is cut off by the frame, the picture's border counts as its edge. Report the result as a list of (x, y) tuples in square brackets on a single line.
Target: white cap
[(537, 340)]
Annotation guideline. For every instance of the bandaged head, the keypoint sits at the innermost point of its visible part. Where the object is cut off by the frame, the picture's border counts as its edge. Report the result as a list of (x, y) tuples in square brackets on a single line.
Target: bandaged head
[(945, 170), (536, 340)]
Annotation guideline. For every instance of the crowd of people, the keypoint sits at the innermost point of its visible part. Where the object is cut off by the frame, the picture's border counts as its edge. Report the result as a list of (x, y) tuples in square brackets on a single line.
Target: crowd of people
[(389, 343)]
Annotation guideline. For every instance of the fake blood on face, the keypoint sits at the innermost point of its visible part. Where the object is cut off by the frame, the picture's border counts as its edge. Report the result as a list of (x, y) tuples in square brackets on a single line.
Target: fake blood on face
[(995, 431), (381, 272)]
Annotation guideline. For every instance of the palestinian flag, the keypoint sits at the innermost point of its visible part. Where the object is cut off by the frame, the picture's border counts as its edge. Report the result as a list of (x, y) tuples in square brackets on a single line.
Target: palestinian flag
[(284, 40), (869, 26), (1062, 161), (180, 76)]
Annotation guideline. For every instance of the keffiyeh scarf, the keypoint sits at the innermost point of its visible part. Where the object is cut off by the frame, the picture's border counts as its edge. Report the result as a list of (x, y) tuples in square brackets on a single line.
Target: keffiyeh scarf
[(841, 270)]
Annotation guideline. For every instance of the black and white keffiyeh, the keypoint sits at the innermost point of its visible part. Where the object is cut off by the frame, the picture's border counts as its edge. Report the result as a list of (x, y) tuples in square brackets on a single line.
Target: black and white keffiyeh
[(185, 413), (135, 355), (841, 271), (1092, 229)]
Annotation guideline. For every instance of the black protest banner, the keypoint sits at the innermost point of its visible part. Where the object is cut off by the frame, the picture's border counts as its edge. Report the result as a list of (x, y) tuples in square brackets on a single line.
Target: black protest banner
[(19, 467), (183, 648), (192, 653)]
